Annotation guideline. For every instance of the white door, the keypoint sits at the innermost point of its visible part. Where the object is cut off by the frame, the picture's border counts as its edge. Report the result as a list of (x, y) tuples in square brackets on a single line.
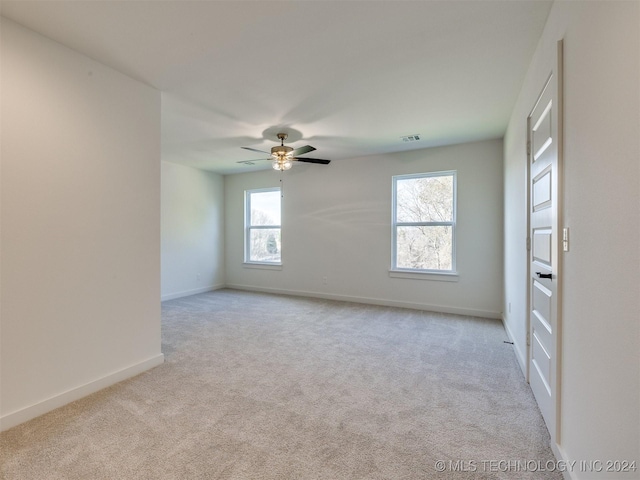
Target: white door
[(544, 153)]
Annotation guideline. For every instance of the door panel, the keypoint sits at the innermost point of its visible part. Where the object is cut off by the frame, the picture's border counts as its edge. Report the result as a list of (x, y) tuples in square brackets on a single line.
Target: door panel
[(542, 191), (541, 253), (541, 361), (541, 303), (542, 135)]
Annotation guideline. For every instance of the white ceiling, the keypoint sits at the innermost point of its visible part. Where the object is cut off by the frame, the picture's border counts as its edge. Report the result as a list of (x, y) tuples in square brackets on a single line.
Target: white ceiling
[(348, 77)]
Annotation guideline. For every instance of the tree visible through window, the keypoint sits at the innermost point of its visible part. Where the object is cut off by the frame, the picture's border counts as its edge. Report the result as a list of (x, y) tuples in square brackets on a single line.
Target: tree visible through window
[(424, 222), (262, 226)]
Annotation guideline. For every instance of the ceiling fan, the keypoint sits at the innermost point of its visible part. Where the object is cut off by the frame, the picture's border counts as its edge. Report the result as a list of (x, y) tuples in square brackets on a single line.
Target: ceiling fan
[(282, 157)]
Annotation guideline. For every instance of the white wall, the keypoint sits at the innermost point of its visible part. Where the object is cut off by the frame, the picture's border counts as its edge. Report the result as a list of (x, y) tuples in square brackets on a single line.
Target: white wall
[(600, 397), (192, 231), (336, 224), (80, 226)]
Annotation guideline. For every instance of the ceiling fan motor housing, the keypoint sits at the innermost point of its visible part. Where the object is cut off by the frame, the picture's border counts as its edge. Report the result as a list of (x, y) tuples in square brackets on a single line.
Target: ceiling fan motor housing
[(281, 151)]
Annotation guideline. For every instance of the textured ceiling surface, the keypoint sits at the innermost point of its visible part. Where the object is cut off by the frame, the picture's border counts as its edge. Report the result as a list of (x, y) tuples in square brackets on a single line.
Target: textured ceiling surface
[(348, 77)]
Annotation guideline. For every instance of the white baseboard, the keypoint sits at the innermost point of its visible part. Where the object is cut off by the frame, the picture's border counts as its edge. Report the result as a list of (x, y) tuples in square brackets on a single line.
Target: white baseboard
[(195, 291), (520, 356), (572, 468), (372, 301), (20, 416)]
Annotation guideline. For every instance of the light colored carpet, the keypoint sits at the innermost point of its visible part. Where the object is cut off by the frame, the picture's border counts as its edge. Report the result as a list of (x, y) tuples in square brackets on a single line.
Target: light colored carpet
[(259, 386)]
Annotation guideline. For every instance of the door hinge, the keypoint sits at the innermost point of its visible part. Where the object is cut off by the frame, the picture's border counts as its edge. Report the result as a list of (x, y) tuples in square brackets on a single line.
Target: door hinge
[(565, 239), (528, 148), (528, 339), (528, 244)]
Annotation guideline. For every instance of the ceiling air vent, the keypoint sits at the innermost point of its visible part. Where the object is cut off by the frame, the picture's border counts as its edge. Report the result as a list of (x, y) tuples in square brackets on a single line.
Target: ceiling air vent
[(411, 138)]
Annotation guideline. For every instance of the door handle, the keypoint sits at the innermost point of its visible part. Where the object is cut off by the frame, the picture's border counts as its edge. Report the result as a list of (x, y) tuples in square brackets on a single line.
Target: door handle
[(544, 275)]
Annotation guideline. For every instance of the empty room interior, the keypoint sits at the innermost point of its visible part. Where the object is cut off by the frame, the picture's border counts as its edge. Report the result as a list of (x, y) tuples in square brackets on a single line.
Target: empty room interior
[(320, 239)]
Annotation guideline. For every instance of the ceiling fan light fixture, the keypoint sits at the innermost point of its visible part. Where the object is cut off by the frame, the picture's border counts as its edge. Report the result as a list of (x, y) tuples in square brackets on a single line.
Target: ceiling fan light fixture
[(282, 164)]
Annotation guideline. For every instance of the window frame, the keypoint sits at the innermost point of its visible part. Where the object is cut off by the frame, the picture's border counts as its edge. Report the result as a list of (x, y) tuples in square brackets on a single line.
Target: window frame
[(248, 228), (399, 272)]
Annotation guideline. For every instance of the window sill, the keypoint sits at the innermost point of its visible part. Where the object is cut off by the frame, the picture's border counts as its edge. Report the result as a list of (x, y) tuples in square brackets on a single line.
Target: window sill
[(263, 266), (435, 276)]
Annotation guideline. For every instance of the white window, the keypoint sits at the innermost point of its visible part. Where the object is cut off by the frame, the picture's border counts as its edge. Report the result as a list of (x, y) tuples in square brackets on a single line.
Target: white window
[(424, 223), (262, 226)]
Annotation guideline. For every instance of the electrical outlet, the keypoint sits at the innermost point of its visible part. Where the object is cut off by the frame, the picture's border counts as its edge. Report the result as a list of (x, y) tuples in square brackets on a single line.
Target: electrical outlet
[(509, 307)]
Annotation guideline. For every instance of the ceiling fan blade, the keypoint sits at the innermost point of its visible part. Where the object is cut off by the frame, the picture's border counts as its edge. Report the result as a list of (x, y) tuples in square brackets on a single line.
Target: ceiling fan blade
[(253, 162), (313, 160), (302, 150), (255, 150)]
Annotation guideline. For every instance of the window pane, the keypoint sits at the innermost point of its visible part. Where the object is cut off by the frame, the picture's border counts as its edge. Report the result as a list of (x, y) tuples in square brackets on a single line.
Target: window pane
[(265, 208), (426, 199), (425, 247), (264, 245)]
